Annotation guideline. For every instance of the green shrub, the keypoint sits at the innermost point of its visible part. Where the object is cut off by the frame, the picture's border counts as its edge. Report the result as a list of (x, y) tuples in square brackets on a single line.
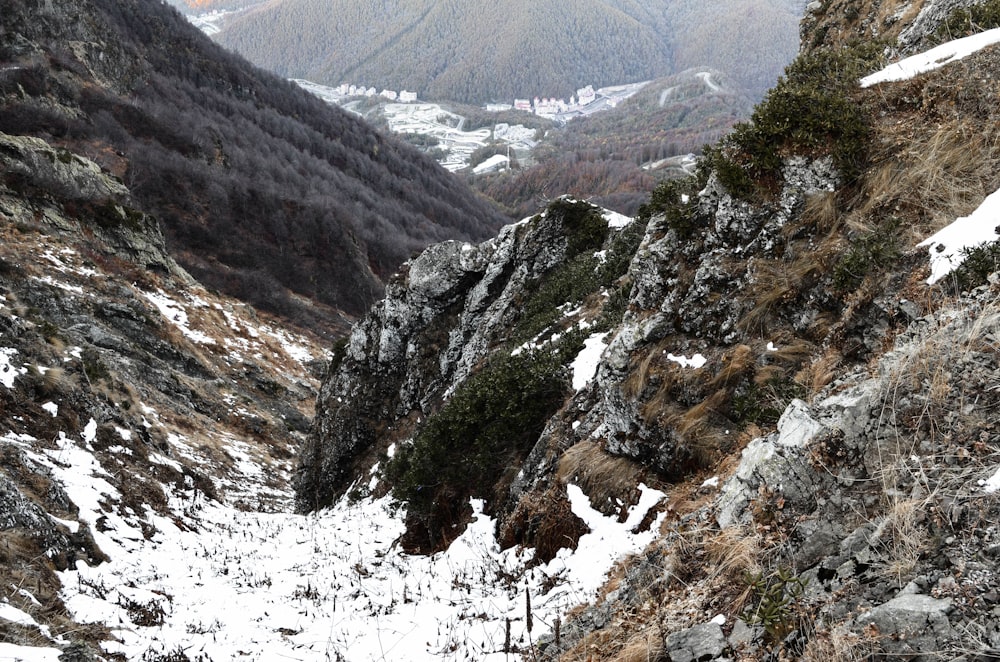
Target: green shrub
[(489, 425), (569, 283), (809, 111), (977, 265), (764, 404), (775, 596), (94, 369), (874, 252), (676, 200), (581, 273), (110, 215), (585, 225), (338, 352)]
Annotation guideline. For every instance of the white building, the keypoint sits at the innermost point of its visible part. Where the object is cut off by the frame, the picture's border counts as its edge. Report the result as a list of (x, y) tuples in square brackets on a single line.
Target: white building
[(549, 106), (522, 104), (408, 97), (389, 94), (586, 95)]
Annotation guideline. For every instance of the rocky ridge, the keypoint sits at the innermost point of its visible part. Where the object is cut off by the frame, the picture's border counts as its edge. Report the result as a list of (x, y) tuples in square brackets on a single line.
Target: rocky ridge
[(817, 414)]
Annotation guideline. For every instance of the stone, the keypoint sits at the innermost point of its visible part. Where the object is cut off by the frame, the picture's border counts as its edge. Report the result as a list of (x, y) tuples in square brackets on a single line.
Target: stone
[(911, 624), (742, 634), (697, 644)]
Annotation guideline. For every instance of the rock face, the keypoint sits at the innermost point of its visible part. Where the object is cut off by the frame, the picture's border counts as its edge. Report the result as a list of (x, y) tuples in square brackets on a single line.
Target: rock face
[(775, 361), (442, 316)]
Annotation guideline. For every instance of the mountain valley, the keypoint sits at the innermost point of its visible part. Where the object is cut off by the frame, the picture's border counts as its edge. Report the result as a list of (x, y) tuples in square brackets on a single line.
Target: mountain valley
[(754, 420)]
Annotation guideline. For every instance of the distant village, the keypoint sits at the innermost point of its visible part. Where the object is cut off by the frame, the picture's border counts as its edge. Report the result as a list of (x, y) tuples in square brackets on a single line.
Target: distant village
[(549, 107), (362, 91), (544, 107)]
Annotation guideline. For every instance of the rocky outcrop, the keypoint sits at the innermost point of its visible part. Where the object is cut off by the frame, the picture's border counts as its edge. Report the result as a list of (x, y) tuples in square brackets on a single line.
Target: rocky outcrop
[(71, 194), (442, 315)]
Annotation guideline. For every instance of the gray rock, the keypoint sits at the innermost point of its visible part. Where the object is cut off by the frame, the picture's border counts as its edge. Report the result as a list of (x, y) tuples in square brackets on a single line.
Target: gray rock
[(697, 644), (125, 232), (441, 316), (911, 624), (743, 634)]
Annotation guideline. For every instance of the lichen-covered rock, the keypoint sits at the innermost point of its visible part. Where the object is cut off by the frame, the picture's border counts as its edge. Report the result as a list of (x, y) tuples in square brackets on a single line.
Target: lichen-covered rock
[(911, 625)]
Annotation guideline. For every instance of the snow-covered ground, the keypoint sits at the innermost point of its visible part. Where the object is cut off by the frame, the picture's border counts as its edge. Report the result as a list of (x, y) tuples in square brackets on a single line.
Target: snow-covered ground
[(215, 581), (209, 22), (221, 583)]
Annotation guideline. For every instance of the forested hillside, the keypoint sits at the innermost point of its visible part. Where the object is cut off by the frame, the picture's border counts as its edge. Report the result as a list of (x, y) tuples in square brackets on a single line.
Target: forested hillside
[(263, 191), (478, 52)]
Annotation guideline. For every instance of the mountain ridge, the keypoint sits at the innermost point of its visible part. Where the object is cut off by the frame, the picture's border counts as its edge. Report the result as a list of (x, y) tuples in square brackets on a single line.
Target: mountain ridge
[(460, 55)]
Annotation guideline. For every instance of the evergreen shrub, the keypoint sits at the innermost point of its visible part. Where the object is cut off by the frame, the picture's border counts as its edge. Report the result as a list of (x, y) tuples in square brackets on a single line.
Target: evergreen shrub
[(809, 111)]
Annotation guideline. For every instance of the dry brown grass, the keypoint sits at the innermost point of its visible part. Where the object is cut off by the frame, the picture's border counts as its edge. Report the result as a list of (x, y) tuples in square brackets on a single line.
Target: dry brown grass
[(651, 366), (610, 482), (733, 552), (543, 521), (736, 363), (902, 537), (934, 177), (642, 647), (791, 352), (698, 436), (822, 212), (840, 645), (820, 372), (771, 287)]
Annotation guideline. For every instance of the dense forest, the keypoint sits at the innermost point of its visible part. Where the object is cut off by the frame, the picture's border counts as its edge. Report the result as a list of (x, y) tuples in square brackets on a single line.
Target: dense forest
[(614, 158), (479, 52), (263, 191)]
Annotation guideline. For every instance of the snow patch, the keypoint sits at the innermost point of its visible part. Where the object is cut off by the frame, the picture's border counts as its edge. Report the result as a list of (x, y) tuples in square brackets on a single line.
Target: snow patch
[(616, 220), (7, 371), (933, 59), (90, 431), (585, 364), (175, 313), (18, 653), (991, 484), (947, 247), (696, 361)]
